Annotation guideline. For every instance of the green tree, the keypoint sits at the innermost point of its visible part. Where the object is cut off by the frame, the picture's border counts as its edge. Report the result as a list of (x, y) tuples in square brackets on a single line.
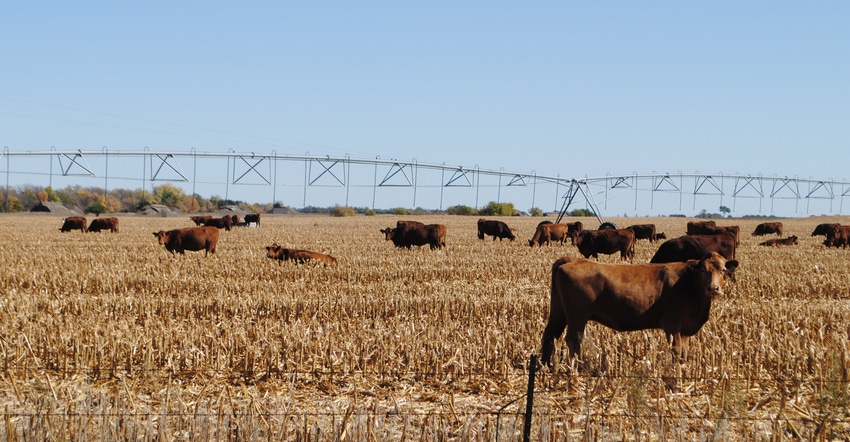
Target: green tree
[(97, 208), (494, 208), (461, 210), (169, 194), (582, 212), (535, 211), (725, 210)]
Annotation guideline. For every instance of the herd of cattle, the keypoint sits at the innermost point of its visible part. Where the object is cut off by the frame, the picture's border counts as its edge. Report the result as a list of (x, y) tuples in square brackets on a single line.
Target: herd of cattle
[(673, 292)]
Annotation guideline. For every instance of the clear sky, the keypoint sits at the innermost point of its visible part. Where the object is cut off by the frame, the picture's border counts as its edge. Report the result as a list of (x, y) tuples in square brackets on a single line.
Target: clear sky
[(569, 88)]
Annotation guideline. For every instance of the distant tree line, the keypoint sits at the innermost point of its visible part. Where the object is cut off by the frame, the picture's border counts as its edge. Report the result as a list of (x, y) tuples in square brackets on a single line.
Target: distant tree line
[(97, 200)]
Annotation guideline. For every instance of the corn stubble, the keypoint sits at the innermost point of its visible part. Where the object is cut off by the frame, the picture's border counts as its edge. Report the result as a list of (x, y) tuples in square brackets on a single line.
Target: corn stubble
[(109, 336)]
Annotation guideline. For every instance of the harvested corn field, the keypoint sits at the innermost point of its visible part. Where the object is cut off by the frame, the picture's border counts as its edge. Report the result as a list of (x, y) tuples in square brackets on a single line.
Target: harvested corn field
[(109, 336)]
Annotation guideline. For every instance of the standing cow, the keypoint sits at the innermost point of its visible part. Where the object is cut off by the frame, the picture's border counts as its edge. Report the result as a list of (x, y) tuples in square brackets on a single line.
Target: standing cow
[(768, 228), (252, 218), (674, 297), (74, 223), (688, 247), (191, 238), (413, 233), (607, 241), (225, 222), (99, 224), (644, 231), (494, 228)]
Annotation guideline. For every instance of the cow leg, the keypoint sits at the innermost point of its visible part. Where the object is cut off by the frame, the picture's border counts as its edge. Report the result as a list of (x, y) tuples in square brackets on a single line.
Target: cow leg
[(554, 328), (680, 345), (574, 335)]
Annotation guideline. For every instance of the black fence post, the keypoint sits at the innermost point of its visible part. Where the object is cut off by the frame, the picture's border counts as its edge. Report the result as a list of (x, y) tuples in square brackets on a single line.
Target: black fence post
[(529, 398)]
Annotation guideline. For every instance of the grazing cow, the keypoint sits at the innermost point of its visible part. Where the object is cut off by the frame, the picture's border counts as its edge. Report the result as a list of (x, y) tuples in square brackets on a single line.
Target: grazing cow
[(835, 237), (768, 228), (825, 229), (199, 220), (660, 235), (190, 238), (675, 297), (700, 227), (225, 222), (99, 224), (275, 251), (790, 241), (494, 228), (644, 231), (607, 241), (413, 233), (688, 247), (74, 223), (838, 237), (549, 232)]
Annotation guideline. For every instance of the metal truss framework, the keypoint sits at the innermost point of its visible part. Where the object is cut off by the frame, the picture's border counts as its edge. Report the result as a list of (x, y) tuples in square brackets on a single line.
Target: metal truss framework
[(328, 171)]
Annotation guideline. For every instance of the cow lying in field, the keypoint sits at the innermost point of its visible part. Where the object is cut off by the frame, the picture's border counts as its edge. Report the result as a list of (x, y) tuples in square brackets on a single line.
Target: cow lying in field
[(275, 251), (789, 241), (675, 297), (191, 238)]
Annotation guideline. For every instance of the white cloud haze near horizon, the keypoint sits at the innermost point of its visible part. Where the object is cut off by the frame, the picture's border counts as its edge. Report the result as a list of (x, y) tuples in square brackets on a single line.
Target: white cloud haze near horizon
[(559, 88)]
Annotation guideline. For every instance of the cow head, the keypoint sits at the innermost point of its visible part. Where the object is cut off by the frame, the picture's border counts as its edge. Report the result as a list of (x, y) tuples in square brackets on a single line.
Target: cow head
[(162, 236), (273, 251), (388, 233), (711, 273)]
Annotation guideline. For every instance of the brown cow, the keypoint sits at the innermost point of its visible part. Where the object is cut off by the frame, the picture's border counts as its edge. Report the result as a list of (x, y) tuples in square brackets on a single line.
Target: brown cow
[(190, 238), (674, 297), (99, 224), (838, 237), (768, 228), (836, 234), (790, 241), (413, 233), (199, 220), (252, 218), (234, 219), (644, 231), (549, 232), (607, 241), (275, 251), (225, 222), (700, 227), (74, 223), (494, 228), (688, 247)]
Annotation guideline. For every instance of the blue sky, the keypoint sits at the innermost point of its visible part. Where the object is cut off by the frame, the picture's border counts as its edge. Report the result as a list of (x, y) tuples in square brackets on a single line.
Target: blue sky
[(561, 88)]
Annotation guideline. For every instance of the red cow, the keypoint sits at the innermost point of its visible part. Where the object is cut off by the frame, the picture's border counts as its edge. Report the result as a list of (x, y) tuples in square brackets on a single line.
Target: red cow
[(199, 220), (549, 232), (413, 233), (275, 251), (688, 247), (607, 241), (225, 222), (768, 228), (191, 238), (494, 228), (644, 231), (99, 224), (790, 241), (674, 297), (74, 223)]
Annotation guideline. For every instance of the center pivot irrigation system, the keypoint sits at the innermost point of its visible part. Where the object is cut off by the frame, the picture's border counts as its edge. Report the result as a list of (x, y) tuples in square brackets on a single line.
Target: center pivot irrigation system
[(440, 184)]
